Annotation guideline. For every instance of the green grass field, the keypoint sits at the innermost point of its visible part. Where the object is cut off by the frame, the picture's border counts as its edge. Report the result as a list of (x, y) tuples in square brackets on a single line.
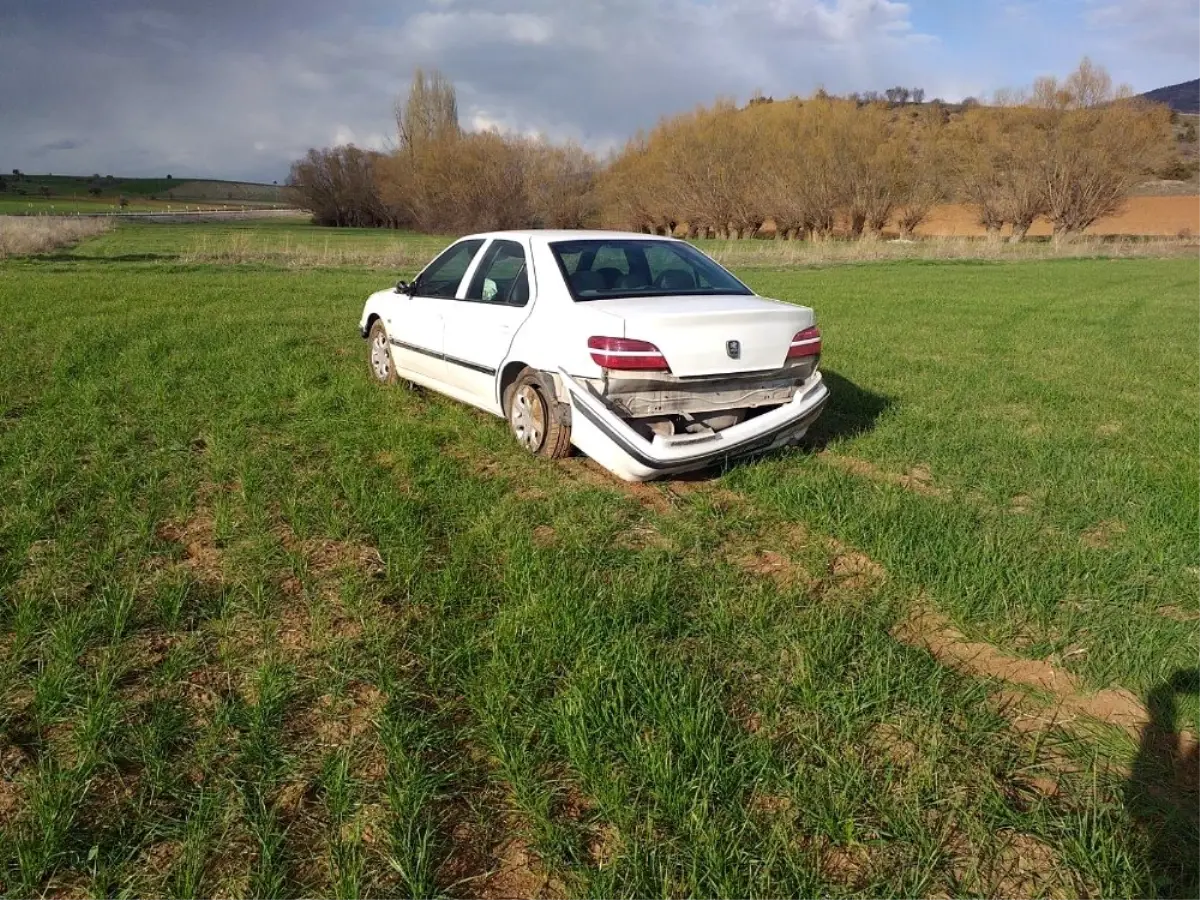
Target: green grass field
[(267, 628)]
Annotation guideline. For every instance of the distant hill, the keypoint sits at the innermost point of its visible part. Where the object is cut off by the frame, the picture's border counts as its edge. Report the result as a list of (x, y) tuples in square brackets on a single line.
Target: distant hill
[(1183, 98), (109, 188)]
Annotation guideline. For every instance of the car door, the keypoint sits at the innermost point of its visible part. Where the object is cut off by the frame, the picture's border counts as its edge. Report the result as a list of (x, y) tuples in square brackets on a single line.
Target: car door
[(418, 326), (480, 328)]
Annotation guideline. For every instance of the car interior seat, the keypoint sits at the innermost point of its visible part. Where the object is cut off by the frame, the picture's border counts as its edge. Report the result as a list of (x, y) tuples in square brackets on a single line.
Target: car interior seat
[(676, 280)]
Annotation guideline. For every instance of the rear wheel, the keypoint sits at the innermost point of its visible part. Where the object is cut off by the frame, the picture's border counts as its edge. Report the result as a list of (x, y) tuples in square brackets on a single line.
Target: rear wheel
[(535, 419), (382, 366)]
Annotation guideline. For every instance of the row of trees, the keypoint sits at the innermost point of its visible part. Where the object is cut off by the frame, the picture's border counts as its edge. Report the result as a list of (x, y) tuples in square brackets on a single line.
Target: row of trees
[(442, 179), (1069, 151)]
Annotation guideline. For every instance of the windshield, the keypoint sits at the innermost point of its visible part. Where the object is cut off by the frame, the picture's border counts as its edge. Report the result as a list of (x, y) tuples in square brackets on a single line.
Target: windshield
[(600, 268)]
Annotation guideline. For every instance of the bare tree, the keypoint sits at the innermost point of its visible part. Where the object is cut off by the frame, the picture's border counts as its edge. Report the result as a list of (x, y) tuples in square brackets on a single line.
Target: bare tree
[(560, 184), (1098, 143), (922, 178), (338, 187), (997, 157), (430, 112), (1097, 155)]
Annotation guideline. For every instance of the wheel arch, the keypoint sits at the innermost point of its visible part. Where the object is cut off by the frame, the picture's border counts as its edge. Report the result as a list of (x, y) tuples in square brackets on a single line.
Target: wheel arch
[(370, 323), (509, 374)]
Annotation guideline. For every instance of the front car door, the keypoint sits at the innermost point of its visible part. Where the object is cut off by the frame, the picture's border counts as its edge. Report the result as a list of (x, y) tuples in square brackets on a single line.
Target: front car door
[(416, 333), (480, 328)]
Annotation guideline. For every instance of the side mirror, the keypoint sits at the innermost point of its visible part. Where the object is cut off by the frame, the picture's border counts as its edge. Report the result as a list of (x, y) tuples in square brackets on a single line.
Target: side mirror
[(403, 287)]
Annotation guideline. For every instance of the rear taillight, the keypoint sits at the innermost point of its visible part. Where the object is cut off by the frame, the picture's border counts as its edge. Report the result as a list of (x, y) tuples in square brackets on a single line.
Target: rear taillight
[(805, 343), (625, 353)]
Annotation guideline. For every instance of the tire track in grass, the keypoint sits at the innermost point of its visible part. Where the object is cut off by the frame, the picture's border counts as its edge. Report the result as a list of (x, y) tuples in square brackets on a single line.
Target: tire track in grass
[(779, 546), (771, 552), (1117, 707), (1063, 701)]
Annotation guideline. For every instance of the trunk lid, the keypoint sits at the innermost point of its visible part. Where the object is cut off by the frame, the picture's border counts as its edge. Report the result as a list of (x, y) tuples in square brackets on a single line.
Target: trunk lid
[(695, 333)]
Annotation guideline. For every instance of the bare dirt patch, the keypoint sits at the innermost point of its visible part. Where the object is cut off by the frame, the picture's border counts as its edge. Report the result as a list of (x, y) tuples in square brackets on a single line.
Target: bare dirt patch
[(770, 805), (847, 865), (1143, 215), (1013, 864), (197, 536), (772, 564), (518, 873), (325, 557), (1020, 505), (585, 472), (10, 801), (644, 536), (326, 563), (604, 845), (477, 867), (545, 536), (1178, 613), (918, 479), (853, 570), (887, 740), (1102, 536), (779, 553), (159, 858), (340, 721)]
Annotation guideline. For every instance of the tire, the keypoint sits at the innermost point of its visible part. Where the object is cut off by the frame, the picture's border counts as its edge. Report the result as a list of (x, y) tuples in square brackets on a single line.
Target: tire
[(535, 419), (379, 356)]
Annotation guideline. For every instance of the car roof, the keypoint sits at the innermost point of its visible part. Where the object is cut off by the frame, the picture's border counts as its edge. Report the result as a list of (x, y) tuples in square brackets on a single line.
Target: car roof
[(547, 235)]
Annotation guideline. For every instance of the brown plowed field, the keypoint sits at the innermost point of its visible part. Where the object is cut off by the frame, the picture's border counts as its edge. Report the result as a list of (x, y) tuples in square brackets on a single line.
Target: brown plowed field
[(1160, 216)]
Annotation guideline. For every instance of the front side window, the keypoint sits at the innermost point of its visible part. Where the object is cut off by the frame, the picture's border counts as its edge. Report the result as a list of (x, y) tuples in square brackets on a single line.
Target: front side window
[(595, 269), (501, 276), (442, 277)]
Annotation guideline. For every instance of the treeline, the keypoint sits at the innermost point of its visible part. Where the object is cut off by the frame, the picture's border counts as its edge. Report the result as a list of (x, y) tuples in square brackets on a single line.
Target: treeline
[(1068, 151), (444, 180)]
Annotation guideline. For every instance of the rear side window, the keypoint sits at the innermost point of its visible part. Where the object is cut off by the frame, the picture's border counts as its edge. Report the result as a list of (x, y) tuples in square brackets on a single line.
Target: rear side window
[(501, 276), (442, 277)]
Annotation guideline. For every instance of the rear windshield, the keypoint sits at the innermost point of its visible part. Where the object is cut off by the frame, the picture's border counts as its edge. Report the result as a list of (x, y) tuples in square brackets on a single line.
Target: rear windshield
[(595, 269)]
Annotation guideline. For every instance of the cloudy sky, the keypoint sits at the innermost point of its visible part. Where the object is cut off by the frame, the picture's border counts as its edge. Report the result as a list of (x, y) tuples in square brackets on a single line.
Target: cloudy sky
[(239, 88)]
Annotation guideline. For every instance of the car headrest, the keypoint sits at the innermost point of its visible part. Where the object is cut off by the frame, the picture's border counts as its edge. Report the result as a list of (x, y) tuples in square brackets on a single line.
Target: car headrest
[(610, 274), (587, 282)]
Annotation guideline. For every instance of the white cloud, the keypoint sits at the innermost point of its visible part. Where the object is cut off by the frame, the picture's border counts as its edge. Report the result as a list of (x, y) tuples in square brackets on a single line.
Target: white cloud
[(221, 87), (239, 89), (1158, 26)]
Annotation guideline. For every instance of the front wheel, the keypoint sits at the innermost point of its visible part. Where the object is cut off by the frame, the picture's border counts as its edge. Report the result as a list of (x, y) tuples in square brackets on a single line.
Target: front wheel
[(534, 422), (382, 366)]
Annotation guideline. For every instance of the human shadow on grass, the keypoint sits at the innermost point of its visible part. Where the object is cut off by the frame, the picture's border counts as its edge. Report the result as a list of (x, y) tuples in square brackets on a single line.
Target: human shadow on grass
[(850, 411), (1162, 795)]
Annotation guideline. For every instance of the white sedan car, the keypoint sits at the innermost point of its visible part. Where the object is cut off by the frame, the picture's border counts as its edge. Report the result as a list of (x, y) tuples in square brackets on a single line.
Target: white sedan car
[(641, 351)]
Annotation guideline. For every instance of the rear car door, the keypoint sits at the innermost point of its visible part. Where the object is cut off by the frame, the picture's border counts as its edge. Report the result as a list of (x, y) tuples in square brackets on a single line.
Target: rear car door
[(480, 328), (417, 332)]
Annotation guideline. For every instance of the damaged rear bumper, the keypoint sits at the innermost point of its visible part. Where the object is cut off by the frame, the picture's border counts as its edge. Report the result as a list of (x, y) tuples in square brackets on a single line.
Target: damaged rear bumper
[(607, 438)]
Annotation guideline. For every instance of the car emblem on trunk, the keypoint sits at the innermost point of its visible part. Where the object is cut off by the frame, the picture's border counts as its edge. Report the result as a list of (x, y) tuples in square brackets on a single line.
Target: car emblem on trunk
[(734, 349)]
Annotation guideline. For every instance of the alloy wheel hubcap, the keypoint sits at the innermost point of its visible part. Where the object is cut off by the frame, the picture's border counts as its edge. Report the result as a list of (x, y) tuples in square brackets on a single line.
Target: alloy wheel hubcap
[(528, 418), (379, 357)]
